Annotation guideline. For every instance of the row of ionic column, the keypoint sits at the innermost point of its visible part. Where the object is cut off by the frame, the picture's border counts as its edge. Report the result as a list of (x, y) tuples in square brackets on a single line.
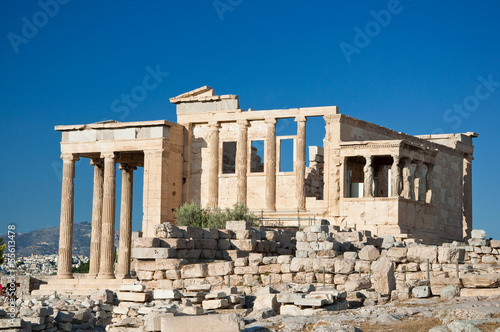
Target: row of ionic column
[(415, 183), (270, 163), (103, 218)]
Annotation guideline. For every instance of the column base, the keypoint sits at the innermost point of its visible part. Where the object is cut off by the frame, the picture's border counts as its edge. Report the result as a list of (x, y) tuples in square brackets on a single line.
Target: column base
[(123, 276), (65, 276), (106, 276)]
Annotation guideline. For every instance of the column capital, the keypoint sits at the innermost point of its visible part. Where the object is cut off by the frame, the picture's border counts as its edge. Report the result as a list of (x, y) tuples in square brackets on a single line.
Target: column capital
[(70, 157), (96, 161), (300, 118), (214, 124), (243, 123), (270, 121), (368, 159), (108, 155), (127, 167)]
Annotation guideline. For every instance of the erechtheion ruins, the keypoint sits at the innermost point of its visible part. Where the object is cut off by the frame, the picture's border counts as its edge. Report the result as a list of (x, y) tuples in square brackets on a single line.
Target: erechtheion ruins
[(365, 176)]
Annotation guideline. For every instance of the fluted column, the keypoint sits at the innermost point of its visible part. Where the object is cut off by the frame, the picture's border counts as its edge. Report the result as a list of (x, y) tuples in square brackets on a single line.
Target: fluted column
[(213, 171), (270, 166), (429, 183), (95, 240), (241, 162), (108, 218), (67, 208), (300, 163), (125, 243), (408, 180), (396, 177), (368, 179)]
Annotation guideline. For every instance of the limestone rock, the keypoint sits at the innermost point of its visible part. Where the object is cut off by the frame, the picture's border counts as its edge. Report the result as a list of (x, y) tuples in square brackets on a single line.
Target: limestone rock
[(478, 234), (449, 292), (447, 255), (421, 291), (238, 225), (369, 253), (344, 266), (357, 284), (266, 302), (420, 254), (383, 280), (396, 254), (194, 271), (220, 268), (480, 281)]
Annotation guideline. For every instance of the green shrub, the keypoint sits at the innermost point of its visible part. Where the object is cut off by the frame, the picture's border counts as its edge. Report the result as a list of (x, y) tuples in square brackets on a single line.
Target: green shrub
[(190, 214)]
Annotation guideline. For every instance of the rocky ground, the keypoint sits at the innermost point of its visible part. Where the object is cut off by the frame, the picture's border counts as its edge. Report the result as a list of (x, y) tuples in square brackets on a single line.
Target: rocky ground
[(428, 314), (431, 314)]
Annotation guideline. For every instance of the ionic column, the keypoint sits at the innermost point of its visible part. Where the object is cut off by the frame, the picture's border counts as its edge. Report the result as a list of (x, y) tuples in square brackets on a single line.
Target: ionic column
[(213, 171), (270, 166), (396, 177), (300, 163), (368, 179), (241, 162), (125, 243), (420, 182), (95, 240), (67, 208), (108, 218), (408, 180), (429, 183)]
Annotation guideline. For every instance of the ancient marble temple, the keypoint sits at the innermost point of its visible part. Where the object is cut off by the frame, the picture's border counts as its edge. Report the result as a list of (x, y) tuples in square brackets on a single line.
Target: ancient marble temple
[(364, 176)]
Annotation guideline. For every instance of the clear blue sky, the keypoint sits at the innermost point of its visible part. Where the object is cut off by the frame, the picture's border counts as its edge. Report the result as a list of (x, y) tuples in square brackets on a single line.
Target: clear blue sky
[(413, 66)]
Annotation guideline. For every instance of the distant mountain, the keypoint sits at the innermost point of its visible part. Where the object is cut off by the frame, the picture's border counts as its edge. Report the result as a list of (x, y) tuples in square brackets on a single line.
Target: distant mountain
[(45, 241)]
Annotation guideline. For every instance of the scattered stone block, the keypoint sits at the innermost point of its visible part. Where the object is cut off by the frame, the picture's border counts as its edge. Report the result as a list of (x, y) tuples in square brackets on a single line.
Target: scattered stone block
[(449, 292), (204, 323), (478, 234), (215, 304), (238, 225), (369, 253), (383, 280), (357, 284), (167, 294), (344, 266), (421, 291), (132, 288), (132, 297), (307, 302), (480, 281)]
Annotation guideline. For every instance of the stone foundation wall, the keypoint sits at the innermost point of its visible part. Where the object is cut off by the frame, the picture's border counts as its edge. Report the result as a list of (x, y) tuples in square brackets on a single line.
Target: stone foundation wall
[(348, 259)]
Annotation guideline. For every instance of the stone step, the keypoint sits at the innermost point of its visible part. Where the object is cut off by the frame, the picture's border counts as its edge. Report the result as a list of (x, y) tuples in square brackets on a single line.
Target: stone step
[(479, 291)]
